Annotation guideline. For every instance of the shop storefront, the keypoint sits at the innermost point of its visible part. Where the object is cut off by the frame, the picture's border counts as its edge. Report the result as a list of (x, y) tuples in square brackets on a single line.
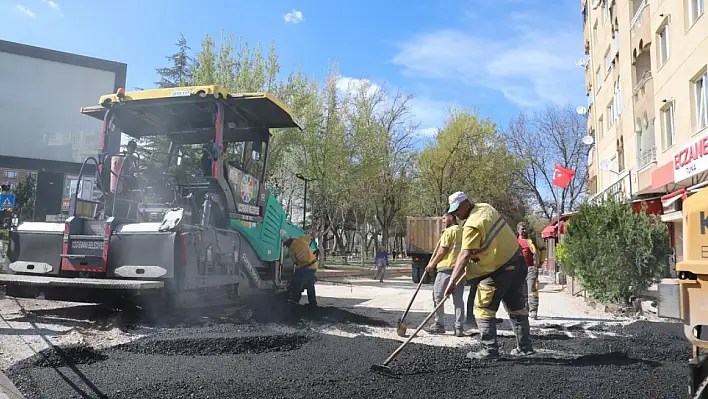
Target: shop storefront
[(684, 175)]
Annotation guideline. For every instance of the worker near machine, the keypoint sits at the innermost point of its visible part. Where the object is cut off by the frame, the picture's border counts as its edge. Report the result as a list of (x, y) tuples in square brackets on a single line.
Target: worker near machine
[(501, 269), (306, 264), (532, 252), (443, 261)]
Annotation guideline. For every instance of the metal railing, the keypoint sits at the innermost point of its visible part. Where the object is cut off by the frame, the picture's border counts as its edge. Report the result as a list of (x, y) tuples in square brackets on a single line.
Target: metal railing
[(638, 19), (646, 156)]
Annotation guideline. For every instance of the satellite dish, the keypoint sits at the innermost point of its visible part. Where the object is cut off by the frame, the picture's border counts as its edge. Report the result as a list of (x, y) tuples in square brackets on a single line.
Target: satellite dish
[(581, 110), (605, 164), (580, 63), (588, 140)]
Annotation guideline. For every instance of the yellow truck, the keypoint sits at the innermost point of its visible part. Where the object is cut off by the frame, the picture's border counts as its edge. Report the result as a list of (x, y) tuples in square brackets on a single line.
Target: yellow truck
[(686, 298), (423, 234)]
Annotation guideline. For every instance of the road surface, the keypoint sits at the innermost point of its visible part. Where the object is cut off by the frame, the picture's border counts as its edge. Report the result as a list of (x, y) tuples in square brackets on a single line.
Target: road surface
[(271, 350)]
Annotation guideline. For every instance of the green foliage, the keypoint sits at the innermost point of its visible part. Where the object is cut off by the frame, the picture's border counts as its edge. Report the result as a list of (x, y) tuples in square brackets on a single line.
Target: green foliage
[(24, 197), (470, 154), (4, 235), (615, 252)]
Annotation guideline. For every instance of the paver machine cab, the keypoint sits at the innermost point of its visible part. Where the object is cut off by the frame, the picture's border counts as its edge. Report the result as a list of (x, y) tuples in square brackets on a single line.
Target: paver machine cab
[(195, 239), (686, 298)]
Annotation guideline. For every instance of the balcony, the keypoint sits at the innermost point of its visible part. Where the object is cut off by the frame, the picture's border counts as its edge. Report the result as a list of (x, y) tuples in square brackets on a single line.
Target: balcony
[(643, 97), (646, 156), (640, 29)]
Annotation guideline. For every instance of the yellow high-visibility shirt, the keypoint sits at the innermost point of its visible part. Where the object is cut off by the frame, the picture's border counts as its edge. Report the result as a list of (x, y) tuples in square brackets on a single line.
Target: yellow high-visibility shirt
[(301, 253), (451, 239), (490, 239)]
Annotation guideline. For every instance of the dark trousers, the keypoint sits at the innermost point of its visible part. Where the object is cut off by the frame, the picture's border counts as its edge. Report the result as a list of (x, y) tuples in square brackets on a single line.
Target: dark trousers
[(470, 300), (303, 279)]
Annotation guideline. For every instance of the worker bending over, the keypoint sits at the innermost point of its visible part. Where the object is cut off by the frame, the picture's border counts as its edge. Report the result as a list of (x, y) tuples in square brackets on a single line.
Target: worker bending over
[(444, 261), (305, 263), (533, 256), (501, 269)]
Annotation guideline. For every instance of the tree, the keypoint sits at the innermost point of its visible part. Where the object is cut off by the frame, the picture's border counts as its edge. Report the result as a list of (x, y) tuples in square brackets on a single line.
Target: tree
[(179, 73), (615, 252), (552, 135), (24, 196), (470, 154)]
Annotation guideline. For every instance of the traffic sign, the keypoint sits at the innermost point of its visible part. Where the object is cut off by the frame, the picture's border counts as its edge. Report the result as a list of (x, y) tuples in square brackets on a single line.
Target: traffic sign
[(7, 201)]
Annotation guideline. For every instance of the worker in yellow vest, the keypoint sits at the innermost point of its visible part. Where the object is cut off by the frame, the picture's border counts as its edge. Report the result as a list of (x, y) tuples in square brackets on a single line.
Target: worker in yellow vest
[(443, 261), (502, 271), (306, 264)]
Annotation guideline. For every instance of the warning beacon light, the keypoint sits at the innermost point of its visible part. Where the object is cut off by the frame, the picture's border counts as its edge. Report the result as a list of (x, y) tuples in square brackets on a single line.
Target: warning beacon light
[(120, 93)]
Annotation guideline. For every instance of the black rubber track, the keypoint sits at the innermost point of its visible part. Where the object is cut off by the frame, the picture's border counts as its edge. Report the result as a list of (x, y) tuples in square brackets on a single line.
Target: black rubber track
[(231, 360)]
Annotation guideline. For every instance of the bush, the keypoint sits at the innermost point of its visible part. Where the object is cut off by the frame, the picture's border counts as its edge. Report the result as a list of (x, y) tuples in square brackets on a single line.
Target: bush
[(4, 235), (615, 252)]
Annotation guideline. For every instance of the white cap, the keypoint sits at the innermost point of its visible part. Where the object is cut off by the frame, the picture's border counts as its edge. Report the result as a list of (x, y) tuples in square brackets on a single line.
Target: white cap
[(455, 200)]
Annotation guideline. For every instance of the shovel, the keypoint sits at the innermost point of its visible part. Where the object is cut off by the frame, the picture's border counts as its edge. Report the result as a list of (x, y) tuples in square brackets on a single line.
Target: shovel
[(402, 327), (383, 368)]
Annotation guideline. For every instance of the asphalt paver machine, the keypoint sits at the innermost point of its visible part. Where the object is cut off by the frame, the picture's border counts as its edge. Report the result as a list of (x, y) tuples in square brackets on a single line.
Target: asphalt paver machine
[(194, 224)]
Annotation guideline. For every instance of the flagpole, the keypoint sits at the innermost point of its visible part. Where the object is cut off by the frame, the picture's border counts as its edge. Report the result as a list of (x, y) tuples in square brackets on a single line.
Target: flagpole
[(558, 212)]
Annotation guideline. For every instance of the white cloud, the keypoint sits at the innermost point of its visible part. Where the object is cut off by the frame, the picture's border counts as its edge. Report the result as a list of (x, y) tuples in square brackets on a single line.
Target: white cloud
[(532, 64), (25, 11), (294, 17), (54, 6), (353, 85), (428, 132)]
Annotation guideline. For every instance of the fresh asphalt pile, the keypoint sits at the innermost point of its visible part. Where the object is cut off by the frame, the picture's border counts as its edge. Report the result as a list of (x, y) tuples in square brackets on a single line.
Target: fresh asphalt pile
[(247, 356)]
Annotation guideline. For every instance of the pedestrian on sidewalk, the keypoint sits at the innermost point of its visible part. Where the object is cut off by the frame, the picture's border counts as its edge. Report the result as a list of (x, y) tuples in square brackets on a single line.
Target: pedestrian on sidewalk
[(380, 261), (532, 252), (443, 261), (501, 270)]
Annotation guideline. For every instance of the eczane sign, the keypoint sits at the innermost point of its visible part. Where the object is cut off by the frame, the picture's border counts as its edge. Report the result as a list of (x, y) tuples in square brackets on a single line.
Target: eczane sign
[(691, 159)]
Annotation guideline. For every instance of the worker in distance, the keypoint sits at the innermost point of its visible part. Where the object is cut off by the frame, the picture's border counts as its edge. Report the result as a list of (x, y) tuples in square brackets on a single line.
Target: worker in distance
[(533, 252), (502, 272)]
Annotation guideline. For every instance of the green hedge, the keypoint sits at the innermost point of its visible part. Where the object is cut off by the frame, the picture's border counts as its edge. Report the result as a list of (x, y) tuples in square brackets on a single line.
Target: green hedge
[(615, 252)]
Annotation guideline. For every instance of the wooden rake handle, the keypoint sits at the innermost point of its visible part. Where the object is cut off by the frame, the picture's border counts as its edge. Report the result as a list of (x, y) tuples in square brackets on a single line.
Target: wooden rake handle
[(420, 327)]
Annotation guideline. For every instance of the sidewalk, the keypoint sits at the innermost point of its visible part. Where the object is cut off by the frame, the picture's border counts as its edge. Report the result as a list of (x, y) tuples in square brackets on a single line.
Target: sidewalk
[(359, 271), (8, 389)]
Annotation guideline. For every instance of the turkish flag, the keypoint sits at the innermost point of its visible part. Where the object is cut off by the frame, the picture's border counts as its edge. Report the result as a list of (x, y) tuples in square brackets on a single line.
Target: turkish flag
[(562, 176)]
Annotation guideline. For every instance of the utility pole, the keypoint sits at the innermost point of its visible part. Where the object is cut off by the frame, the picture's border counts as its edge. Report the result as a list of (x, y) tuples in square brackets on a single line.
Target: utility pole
[(304, 201)]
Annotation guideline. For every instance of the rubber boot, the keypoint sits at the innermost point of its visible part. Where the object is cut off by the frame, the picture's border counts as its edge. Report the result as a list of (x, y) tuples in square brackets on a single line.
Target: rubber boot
[(488, 336), (522, 332), (435, 329)]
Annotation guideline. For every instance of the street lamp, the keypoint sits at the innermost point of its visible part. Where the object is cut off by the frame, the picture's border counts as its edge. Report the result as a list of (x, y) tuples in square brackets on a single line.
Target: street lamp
[(304, 201)]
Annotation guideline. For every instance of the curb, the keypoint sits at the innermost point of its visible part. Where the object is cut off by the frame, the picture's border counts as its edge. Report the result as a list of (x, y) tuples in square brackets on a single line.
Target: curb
[(8, 390), (358, 273)]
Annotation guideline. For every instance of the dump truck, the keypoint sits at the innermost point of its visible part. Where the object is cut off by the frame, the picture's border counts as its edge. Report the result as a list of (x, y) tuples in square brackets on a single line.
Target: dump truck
[(423, 234), (684, 298), (194, 225)]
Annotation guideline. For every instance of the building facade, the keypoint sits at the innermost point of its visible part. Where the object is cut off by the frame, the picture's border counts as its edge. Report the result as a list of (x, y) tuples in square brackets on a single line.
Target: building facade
[(13, 177), (646, 77)]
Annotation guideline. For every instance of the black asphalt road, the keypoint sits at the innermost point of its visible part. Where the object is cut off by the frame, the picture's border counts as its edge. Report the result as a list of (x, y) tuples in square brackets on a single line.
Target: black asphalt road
[(244, 357)]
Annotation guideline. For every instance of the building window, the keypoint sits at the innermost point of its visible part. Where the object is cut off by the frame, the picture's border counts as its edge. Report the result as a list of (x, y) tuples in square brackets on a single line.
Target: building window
[(608, 60), (605, 11), (611, 113), (695, 10), (620, 154), (594, 32), (667, 126), (618, 99), (701, 101), (599, 79), (11, 174), (664, 45), (600, 128)]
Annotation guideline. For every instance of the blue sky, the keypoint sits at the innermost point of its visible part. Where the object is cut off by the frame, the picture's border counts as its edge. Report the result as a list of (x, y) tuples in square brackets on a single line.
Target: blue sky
[(502, 56)]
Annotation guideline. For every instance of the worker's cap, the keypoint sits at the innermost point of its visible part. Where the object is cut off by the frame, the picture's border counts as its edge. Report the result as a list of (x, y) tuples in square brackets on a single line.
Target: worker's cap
[(455, 200)]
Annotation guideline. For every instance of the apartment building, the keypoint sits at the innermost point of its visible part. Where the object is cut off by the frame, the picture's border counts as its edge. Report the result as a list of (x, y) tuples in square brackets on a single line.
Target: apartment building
[(13, 177), (646, 78)]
